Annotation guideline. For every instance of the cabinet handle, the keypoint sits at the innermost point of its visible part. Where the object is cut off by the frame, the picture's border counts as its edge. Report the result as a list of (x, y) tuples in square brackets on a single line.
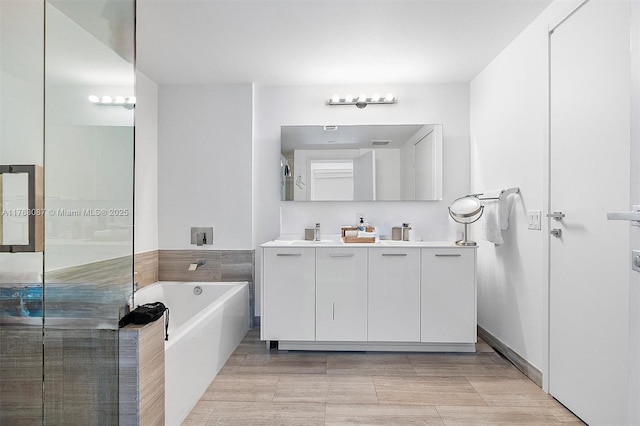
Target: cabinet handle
[(289, 254), (449, 255), (394, 254), (341, 255), (333, 310)]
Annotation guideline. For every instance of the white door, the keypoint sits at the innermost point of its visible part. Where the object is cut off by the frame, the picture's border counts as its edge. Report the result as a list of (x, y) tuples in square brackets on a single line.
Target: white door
[(364, 177), (589, 176), (634, 289)]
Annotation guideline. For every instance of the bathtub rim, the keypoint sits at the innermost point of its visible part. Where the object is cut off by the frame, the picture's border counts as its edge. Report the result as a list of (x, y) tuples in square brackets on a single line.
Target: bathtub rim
[(176, 335)]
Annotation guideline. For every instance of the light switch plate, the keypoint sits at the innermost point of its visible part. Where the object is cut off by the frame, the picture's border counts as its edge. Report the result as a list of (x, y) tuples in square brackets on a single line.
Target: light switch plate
[(534, 219)]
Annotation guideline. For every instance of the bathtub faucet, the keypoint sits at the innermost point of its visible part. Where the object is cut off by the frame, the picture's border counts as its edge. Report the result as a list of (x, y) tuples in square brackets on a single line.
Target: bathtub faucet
[(194, 266)]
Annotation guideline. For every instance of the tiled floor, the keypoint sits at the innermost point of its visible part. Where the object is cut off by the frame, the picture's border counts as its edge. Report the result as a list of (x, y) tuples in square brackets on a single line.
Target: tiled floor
[(260, 387)]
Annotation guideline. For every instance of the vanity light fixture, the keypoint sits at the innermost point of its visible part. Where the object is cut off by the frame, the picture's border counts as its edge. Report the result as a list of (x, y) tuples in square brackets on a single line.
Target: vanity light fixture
[(362, 100), (128, 102)]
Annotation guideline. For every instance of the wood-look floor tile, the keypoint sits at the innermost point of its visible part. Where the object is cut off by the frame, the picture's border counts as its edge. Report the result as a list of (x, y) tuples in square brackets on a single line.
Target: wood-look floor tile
[(351, 390), (242, 388), (451, 369), (504, 385), (260, 413), (372, 388), (199, 414), (233, 364), (426, 391), (284, 363), (565, 416), (373, 414), (310, 388), (426, 359), (482, 346), (369, 364), (469, 416)]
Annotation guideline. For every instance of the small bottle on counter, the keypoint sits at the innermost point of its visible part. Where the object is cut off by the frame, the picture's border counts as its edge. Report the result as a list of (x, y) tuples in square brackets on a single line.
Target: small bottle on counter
[(406, 227)]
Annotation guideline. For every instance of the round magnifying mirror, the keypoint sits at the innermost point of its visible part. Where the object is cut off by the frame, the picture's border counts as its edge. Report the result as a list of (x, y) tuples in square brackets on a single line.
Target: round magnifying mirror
[(466, 210)]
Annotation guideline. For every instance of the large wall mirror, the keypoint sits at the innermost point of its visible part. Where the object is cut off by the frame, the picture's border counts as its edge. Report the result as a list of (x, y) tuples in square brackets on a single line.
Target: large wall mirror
[(394, 162)]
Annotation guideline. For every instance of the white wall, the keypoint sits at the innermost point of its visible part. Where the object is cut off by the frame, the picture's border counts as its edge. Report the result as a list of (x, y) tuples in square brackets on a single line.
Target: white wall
[(205, 165), (146, 173), (509, 147), (446, 104)]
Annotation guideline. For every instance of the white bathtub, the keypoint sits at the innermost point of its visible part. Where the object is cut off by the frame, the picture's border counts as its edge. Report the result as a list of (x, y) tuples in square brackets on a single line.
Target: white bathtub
[(204, 330)]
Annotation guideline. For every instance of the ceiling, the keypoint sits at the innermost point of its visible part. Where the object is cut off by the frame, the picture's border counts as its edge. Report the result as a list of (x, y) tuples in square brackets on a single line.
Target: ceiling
[(325, 42)]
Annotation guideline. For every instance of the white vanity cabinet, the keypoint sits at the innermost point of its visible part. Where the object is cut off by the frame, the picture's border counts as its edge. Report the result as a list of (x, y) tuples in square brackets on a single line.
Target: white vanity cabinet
[(387, 296), (341, 294), (394, 295), (448, 295), (289, 299)]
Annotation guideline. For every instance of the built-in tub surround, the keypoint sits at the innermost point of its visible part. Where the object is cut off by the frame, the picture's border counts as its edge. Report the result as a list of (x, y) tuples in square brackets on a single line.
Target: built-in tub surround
[(214, 266), (207, 322)]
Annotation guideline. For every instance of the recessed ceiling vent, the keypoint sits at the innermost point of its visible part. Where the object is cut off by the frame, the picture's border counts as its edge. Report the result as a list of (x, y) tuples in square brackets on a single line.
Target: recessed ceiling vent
[(380, 142)]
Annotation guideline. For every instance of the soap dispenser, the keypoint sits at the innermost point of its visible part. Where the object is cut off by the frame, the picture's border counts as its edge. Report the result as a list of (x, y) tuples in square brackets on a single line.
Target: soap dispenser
[(361, 225), (406, 227)]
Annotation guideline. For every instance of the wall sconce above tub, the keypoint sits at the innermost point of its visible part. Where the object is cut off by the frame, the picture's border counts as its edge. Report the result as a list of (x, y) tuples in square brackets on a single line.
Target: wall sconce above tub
[(362, 100), (128, 102)]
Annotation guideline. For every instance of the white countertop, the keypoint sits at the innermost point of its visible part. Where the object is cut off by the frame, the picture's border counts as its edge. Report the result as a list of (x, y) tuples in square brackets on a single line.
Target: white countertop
[(382, 244)]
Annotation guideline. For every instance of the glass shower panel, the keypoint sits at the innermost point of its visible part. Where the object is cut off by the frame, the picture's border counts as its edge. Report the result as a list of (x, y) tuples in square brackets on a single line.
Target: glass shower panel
[(21, 143), (89, 145)]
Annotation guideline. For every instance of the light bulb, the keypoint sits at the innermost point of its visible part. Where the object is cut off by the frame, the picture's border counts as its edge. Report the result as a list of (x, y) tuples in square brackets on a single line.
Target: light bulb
[(389, 97), (106, 99), (119, 100), (362, 98), (131, 100), (375, 97), (348, 98), (94, 99), (335, 98)]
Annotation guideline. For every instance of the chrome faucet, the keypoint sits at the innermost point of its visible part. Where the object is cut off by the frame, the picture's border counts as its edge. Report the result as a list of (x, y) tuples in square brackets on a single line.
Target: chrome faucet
[(316, 233)]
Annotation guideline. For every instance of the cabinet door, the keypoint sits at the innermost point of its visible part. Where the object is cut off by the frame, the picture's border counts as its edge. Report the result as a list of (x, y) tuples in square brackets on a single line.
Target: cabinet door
[(394, 295), (288, 294), (341, 294), (448, 284)]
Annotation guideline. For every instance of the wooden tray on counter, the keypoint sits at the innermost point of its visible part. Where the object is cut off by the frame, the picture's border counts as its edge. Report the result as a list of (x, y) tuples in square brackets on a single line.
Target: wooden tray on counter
[(346, 239)]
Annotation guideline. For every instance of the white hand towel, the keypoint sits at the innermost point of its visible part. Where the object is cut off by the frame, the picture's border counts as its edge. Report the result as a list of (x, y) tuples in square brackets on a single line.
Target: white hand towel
[(490, 222), (506, 203)]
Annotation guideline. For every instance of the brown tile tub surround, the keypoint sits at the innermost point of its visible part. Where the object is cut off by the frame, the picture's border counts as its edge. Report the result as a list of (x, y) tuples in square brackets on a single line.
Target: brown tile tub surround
[(146, 267), (220, 266), (142, 374)]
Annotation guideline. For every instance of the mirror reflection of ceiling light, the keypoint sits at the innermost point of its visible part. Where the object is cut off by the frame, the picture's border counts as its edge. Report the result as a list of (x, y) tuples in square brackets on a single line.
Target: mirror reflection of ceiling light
[(362, 100), (128, 102)]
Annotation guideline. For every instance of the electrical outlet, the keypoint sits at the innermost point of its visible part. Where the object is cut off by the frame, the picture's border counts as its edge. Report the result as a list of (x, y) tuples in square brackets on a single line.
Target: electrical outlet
[(534, 219)]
